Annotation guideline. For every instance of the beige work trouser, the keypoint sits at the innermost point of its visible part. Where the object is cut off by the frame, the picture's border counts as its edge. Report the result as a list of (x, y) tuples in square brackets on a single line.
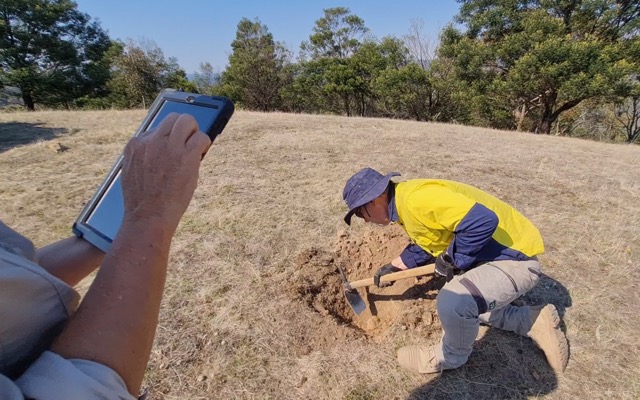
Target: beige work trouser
[(483, 294)]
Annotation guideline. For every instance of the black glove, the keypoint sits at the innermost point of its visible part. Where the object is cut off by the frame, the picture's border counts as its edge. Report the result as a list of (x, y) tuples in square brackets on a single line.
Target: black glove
[(385, 269), (445, 266)]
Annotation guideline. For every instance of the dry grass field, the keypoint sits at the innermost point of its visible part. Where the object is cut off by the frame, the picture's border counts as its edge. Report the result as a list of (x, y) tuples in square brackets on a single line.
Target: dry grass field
[(252, 307)]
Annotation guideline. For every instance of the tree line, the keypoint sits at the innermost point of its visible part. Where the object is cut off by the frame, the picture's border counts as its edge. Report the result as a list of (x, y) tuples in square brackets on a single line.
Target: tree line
[(566, 67)]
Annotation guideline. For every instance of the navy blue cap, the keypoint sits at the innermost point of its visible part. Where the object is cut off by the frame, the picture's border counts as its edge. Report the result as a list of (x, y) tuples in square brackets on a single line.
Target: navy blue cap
[(364, 186)]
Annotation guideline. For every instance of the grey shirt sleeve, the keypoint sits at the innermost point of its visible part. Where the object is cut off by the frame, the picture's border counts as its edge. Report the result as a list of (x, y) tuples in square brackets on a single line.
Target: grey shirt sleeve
[(52, 377), (9, 390), (14, 242), (34, 305)]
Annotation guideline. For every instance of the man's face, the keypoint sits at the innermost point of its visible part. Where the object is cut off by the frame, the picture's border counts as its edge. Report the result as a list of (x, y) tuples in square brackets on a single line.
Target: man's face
[(375, 211)]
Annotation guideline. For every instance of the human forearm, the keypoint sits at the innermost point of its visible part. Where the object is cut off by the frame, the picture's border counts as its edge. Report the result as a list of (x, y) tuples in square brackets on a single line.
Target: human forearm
[(116, 321), (115, 324), (70, 260)]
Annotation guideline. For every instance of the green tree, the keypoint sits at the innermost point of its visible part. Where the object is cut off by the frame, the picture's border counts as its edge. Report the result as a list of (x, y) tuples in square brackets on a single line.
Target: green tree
[(302, 92), (140, 72), (341, 81), (328, 74), (51, 51), (406, 93), (345, 85), (370, 61), (257, 69), (541, 58), (337, 34)]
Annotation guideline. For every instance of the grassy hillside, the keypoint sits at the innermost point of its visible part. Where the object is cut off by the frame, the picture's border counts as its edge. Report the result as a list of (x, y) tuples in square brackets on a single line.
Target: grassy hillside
[(232, 324)]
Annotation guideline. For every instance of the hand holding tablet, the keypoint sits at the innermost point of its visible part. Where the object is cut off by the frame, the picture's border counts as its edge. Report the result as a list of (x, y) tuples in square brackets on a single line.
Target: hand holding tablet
[(159, 157)]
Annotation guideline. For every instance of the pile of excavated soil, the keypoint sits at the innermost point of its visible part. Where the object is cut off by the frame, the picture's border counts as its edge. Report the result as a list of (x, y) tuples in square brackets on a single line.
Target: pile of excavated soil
[(408, 304)]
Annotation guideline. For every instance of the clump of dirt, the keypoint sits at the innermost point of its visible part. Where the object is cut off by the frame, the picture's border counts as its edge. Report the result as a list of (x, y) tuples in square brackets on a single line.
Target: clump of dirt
[(408, 304)]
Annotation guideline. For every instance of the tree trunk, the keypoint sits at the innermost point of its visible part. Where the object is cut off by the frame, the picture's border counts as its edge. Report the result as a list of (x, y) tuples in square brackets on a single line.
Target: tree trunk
[(520, 114), (28, 100), (548, 116), (544, 126), (633, 128), (347, 105)]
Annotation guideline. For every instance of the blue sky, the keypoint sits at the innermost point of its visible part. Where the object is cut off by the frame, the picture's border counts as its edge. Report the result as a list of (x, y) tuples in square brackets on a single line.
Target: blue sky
[(195, 31)]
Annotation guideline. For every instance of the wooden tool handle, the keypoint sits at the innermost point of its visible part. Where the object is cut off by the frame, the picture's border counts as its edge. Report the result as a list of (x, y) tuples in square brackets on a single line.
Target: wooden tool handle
[(396, 276)]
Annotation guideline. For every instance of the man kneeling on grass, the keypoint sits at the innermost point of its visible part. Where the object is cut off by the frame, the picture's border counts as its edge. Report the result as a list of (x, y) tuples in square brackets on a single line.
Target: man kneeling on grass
[(485, 248)]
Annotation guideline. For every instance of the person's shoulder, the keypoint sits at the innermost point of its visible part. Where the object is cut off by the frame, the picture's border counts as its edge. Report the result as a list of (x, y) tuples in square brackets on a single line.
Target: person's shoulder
[(422, 187)]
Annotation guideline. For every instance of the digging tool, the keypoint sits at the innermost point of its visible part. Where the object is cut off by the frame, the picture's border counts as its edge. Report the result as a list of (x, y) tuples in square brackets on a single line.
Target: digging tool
[(353, 297)]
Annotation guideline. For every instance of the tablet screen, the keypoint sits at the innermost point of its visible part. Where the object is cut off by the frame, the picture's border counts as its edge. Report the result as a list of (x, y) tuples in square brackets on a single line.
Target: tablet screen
[(107, 216)]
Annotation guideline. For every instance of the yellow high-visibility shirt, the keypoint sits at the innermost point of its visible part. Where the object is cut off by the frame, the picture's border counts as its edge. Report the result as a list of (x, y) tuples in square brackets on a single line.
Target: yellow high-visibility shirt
[(472, 225)]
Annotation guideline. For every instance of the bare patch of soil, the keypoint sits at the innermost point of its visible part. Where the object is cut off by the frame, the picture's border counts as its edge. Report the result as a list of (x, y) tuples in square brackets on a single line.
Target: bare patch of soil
[(408, 304)]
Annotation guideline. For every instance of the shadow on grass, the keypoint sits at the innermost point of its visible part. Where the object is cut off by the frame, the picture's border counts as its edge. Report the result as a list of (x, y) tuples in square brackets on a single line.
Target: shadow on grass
[(503, 365), (14, 134)]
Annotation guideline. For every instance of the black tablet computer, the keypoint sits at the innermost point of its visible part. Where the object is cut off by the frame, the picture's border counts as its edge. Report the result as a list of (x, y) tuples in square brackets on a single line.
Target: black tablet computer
[(100, 220)]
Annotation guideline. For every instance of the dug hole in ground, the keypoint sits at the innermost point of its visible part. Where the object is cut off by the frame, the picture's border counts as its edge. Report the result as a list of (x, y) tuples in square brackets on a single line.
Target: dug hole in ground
[(407, 305)]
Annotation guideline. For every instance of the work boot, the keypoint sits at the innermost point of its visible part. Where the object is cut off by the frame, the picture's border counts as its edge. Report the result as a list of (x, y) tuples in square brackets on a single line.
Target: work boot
[(546, 333), (420, 359)]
